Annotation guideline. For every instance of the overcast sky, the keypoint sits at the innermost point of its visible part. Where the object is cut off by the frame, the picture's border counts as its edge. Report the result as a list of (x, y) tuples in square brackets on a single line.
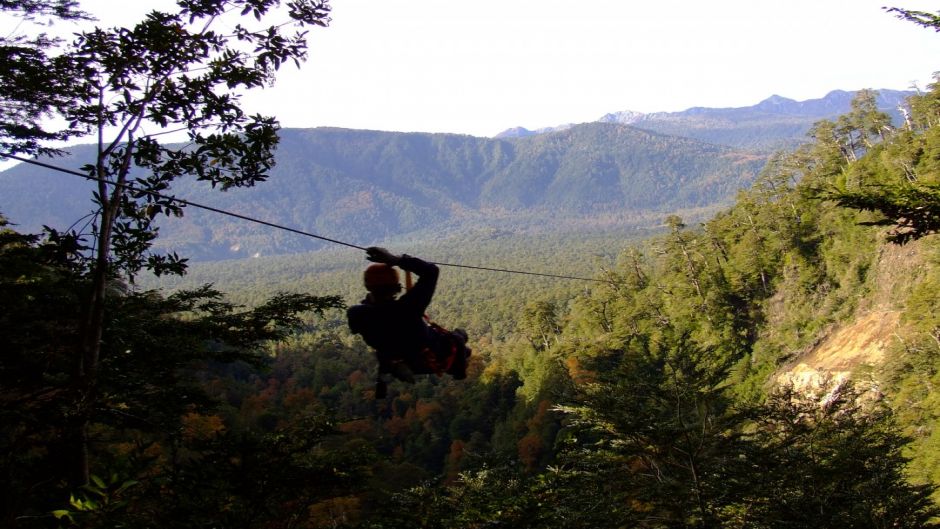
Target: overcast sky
[(479, 67)]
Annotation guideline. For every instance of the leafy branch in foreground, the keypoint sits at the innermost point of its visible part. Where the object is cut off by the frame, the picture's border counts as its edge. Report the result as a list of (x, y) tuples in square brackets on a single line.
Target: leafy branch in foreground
[(921, 18), (913, 210), (156, 352), (171, 70), (899, 178)]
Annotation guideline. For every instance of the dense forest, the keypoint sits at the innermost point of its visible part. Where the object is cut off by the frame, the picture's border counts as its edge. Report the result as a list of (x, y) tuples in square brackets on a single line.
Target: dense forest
[(651, 393), (643, 400)]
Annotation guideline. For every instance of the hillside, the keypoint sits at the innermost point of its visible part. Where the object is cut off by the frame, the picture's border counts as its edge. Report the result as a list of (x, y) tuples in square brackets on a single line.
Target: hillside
[(366, 186), (871, 336)]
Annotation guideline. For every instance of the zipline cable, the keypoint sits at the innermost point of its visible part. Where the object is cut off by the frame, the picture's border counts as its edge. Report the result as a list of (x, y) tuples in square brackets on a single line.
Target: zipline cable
[(197, 205), (180, 200)]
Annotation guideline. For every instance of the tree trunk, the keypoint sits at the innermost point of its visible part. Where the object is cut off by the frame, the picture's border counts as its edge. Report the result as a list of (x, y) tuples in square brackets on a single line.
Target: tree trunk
[(92, 329), (90, 352)]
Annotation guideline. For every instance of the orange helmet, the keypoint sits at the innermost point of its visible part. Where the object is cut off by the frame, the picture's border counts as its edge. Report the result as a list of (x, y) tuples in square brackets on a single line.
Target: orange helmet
[(380, 275)]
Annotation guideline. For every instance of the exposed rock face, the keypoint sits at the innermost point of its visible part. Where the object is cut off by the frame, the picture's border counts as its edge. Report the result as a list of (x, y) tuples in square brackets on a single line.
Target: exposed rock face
[(865, 341), (860, 343)]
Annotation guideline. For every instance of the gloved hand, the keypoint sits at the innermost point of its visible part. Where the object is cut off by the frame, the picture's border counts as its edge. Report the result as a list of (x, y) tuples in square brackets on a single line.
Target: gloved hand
[(381, 255)]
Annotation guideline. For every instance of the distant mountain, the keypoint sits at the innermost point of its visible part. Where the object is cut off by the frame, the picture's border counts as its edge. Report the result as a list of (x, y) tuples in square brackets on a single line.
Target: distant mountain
[(774, 123), (522, 132), (366, 186)]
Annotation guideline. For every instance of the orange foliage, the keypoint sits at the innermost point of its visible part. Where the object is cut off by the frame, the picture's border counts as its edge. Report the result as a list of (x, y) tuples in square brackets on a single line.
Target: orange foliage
[(537, 420), (300, 398), (201, 427), (530, 449), (475, 366), (155, 450), (640, 506), (453, 460), (253, 405), (356, 378), (638, 464), (270, 392), (123, 449), (357, 427), (398, 426), (456, 451), (426, 408), (577, 373)]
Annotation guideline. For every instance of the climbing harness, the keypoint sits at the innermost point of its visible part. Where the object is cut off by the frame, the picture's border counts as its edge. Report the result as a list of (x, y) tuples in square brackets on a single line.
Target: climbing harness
[(432, 361)]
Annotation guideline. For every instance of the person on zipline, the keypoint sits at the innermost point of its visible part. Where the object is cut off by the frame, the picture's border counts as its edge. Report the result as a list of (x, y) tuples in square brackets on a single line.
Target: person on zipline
[(405, 342)]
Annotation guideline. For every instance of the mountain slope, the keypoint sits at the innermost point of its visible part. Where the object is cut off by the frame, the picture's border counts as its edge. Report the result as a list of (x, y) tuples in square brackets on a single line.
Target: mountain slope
[(366, 186), (597, 167)]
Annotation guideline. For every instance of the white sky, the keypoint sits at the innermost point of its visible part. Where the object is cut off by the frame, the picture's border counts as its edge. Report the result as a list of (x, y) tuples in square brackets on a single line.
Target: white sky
[(479, 67)]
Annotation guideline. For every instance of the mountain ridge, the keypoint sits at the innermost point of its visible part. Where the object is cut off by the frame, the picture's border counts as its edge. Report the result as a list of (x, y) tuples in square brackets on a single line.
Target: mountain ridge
[(626, 170), (774, 123), (367, 186)]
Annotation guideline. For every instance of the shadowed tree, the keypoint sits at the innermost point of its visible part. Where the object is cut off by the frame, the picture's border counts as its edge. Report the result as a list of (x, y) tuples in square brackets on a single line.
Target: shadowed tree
[(173, 71), (35, 82), (827, 461), (154, 348)]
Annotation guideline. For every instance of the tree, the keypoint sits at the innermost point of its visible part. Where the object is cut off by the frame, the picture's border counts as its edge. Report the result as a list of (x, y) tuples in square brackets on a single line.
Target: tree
[(912, 211), (910, 204), (862, 124), (539, 323), (655, 431), (900, 180), (153, 352), (680, 242), (171, 71), (921, 18), (830, 461), (35, 83)]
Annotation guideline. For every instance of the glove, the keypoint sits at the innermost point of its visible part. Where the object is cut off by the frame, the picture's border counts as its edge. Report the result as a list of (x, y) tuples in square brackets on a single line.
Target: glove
[(381, 255)]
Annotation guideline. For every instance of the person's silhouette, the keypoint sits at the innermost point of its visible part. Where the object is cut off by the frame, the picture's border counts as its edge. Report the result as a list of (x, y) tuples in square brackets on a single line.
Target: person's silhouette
[(405, 343)]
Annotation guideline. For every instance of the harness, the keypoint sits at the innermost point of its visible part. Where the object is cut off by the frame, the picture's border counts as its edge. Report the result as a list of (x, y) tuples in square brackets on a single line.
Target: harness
[(430, 357)]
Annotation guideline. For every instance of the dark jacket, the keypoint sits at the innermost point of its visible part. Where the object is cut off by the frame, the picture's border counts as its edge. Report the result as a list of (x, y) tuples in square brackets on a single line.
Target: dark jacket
[(396, 329)]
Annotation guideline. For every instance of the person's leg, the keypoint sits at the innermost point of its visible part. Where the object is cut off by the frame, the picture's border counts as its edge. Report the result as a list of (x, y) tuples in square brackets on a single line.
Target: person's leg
[(458, 368), (400, 370), (397, 367)]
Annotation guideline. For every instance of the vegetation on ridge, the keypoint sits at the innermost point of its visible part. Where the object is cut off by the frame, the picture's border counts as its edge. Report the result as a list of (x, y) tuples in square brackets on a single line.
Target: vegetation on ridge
[(362, 186)]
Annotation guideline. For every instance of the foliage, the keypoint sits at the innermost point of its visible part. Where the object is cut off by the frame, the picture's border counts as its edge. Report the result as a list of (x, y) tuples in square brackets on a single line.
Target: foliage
[(912, 210), (825, 460), (171, 70), (921, 18), (155, 351), (900, 180), (664, 367), (643, 400), (35, 81), (654, 426)]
